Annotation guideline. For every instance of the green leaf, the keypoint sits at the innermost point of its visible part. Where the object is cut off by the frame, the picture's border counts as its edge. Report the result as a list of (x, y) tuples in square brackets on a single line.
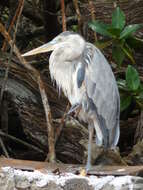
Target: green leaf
[(128, 52), (132, 78), (74, 28), (118, 55), (118, 19), (103, 44), (128, 30), (125, 102), (115, 32), (99, 27)]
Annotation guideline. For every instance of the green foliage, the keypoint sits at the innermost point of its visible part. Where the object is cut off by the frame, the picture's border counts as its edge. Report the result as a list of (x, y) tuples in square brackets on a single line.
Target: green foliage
[(132, 78), (125, 102), (100, 27), (121, 37), (74, 28), (118, 54), (131, 88), (128, 30), (118, 19), (123, 42)]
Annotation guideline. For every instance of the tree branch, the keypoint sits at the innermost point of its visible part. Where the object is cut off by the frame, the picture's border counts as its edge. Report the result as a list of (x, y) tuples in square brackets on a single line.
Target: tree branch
[(63, 15), (45, 101)]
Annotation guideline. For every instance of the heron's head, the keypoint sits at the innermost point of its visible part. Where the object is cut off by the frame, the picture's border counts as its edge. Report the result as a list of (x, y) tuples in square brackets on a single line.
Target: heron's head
[(58, 41)]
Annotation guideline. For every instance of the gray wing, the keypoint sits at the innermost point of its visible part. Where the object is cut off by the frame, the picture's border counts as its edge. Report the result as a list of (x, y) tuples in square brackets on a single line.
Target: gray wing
[(80, 76), (101, 87)]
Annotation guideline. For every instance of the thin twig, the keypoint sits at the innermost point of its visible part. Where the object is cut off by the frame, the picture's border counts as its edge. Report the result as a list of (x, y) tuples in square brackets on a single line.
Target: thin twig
[(3, 148), (59, 129), (78, 15), (20, 141), (37, 76), (17, 13), (92, 10), (63, 15), (4, 125), (50, 131)]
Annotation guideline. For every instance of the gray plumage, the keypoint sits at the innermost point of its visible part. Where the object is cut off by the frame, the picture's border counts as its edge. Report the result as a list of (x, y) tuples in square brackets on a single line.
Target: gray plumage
[(86, 78)]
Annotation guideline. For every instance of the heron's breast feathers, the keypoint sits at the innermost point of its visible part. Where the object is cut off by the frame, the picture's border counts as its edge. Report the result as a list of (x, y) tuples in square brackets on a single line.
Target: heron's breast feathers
[(69, 77)]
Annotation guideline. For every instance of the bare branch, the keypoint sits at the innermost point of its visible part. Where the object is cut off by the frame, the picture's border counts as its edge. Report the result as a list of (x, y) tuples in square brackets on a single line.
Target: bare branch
[(92, 10), (50, 128), (37, 76), (17, 15), (59, 129), (4, 148), (78, 15), (20, 141), (63, 15)]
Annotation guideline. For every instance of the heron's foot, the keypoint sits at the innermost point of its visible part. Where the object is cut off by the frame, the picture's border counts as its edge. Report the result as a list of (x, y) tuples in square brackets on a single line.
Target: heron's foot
[(73, 108), (83, 172), (88, 167)]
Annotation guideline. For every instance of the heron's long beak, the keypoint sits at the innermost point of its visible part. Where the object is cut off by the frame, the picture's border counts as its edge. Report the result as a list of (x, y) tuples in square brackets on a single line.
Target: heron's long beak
[(42, 49)]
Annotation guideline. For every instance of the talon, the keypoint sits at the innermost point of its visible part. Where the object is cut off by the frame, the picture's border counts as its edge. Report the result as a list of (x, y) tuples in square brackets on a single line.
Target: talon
[(83, 172), (73, 108)]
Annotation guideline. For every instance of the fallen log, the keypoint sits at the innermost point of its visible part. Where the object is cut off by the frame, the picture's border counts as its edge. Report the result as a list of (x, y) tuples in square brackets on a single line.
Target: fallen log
[(19, 174), (60, 168)]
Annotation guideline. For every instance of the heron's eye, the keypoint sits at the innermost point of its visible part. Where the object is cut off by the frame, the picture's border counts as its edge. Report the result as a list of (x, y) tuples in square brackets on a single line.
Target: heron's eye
[(59, 39)]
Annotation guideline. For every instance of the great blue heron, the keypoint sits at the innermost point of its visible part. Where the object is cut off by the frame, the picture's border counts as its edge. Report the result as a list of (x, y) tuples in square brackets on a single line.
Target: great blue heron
[(86, 78)]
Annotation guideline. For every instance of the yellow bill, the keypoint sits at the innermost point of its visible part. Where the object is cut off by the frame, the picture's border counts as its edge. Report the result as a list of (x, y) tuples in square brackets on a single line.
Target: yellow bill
[(42, 49)]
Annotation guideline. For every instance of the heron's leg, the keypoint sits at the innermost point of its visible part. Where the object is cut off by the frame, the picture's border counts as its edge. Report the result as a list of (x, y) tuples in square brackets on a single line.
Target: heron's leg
[(90, 131), (99, 134), (73, 108)]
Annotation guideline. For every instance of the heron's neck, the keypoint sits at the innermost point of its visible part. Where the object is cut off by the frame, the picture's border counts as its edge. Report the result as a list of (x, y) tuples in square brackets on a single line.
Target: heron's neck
[(63, 61)]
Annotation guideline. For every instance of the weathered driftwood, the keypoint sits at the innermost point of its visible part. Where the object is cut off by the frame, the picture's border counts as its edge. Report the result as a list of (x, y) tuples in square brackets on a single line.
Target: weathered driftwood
[(71, 168), (136, 155)]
